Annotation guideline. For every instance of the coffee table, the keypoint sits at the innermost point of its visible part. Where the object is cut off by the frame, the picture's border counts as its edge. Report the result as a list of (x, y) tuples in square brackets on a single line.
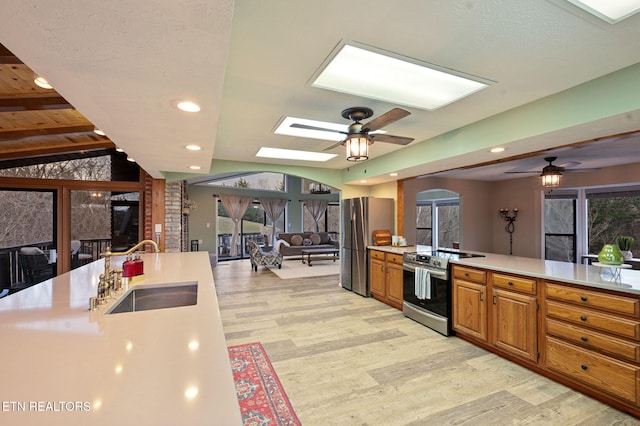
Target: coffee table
[(319, 254)]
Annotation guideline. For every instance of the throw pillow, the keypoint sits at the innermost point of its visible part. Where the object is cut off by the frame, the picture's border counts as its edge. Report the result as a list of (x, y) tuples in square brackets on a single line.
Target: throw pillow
[(315, 239), (296, 240), (306, 242)]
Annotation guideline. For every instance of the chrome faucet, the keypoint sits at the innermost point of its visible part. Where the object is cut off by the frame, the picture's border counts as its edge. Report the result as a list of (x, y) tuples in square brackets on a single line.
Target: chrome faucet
[(108, 282)]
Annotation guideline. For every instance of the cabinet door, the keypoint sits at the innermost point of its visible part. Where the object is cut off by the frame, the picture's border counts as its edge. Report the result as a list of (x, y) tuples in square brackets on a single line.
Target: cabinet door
[(377, 278), (394, 284), (514, 324), (470, 309)]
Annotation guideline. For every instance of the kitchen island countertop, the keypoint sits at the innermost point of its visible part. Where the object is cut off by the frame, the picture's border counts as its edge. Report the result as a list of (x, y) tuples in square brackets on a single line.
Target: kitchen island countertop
[(575, 273), (64, 364)]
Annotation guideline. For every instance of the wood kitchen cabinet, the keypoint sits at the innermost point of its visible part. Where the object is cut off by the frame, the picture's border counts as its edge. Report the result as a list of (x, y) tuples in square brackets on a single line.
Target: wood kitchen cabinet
[(584, 337), (385, 277), (515, 320), (470, 302), (593, 338)]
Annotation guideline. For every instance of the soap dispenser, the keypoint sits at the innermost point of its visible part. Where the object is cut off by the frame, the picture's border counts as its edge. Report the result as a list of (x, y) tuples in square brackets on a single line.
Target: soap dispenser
[(129, 268), (139, 265)]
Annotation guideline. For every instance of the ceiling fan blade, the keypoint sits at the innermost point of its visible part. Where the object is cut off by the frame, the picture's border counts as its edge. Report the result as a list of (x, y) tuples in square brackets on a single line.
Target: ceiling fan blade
[(321, 129), (333, 146), (537, 172), (398, 140), (386, 119)]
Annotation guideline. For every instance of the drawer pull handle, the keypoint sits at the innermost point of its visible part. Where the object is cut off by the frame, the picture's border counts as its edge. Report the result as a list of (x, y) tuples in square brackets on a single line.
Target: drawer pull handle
[(584, 338), (584, 367), (466, 274), (583, 298), (583, 318), (510, 283)]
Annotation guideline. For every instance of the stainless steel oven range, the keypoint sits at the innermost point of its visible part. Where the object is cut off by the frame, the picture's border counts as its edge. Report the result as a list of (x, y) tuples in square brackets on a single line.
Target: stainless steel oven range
[(427, 287)]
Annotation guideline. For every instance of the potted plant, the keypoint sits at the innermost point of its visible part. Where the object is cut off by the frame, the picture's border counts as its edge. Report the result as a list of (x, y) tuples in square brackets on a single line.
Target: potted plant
[(625, 243)]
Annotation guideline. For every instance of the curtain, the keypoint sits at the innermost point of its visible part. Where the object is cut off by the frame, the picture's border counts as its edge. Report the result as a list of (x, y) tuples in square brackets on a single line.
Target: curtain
[(274, 208), (236, 206), (317, 209)]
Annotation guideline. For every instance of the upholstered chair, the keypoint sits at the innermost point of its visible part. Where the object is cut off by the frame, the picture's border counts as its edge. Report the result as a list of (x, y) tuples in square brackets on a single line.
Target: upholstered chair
[(260, 257)]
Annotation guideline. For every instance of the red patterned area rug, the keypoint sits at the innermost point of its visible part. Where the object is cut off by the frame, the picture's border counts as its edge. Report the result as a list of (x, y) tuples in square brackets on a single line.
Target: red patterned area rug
[(260, 394)]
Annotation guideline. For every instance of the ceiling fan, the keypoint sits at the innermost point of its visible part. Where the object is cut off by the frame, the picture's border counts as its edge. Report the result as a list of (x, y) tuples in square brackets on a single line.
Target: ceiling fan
[(552, 168), (359, 136), (551, 173)]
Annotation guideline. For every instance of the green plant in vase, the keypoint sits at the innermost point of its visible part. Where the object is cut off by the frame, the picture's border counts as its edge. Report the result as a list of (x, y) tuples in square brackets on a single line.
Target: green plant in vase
[(625, 243)]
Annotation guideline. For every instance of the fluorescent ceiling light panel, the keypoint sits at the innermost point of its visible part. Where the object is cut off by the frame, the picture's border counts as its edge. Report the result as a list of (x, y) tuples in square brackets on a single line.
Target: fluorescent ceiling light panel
[(285, 129), (611, 11), (292, 154), (379, 76)]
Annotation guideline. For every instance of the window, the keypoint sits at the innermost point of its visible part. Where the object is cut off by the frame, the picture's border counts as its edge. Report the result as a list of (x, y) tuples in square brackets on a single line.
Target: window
[(560, 227), (330, 222), (580, 222), (437, 222), (265, 181), (611, 215)]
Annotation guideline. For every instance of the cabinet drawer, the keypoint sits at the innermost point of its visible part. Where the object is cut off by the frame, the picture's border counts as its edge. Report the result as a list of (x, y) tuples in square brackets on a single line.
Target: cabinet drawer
[(510, 282), (469, 274), (598, 320), (593, 340), (604, 373), (608, 302), (394, 258), (376, 254)]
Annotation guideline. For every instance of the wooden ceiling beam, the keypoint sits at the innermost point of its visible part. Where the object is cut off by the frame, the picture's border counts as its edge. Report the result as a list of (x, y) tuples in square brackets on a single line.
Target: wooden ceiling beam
[(31, 102), (45, 130), (6, 57), (15, 152)]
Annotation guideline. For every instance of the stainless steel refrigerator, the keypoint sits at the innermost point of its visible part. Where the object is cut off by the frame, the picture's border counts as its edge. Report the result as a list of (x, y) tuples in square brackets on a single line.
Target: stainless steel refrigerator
[(360, 217)]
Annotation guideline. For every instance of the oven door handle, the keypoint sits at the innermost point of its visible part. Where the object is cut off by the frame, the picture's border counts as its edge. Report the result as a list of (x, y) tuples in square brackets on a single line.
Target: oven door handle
[(434, 272)]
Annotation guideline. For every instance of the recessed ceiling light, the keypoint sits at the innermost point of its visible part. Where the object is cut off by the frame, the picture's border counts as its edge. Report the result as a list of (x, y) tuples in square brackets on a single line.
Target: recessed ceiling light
[(188, 106), (131, 159), (193, 147), (118, 149), (363, 181), (194, 167), (497, 149), (99, 132), (292, 154), (393, 78), (394, 174), (609, 10), (42, 82)]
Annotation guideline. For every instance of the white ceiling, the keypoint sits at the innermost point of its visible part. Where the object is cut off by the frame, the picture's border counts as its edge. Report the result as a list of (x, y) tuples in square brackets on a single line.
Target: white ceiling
[(248, 63)]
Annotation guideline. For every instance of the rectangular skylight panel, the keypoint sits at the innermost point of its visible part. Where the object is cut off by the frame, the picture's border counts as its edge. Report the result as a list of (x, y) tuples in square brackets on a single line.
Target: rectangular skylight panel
[(285, 129), (373, 75), (611, 11), (292, 154)]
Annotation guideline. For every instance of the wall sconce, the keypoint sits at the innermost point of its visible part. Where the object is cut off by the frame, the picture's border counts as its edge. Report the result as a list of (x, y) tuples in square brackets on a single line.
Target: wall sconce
[(551, 174), (357, 147), (509, 227)]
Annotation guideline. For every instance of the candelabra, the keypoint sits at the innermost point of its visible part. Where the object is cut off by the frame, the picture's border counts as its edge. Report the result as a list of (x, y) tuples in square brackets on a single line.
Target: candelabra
[(509, 227)]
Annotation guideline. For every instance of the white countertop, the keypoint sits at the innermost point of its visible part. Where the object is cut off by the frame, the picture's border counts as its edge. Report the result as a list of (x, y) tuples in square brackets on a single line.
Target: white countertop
[(587, 275), (575, 273), (64, 364)]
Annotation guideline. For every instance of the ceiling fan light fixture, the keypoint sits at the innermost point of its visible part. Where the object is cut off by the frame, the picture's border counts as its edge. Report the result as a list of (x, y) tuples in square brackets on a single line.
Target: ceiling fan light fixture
[(357, 147), (550, 176)]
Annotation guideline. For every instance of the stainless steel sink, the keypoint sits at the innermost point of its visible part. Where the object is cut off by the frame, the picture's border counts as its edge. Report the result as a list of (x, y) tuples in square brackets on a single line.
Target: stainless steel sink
[(144, 298)]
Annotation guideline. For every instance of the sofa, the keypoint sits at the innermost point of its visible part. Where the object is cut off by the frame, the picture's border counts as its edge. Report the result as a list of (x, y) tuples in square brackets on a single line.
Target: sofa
[(292, 243)]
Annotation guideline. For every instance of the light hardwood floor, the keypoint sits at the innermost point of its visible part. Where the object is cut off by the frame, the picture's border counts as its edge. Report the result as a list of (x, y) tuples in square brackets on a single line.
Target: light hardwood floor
[(348, 360)]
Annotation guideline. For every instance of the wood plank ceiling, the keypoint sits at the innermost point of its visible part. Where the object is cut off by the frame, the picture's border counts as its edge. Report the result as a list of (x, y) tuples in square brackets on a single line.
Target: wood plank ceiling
[(39, 125)]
